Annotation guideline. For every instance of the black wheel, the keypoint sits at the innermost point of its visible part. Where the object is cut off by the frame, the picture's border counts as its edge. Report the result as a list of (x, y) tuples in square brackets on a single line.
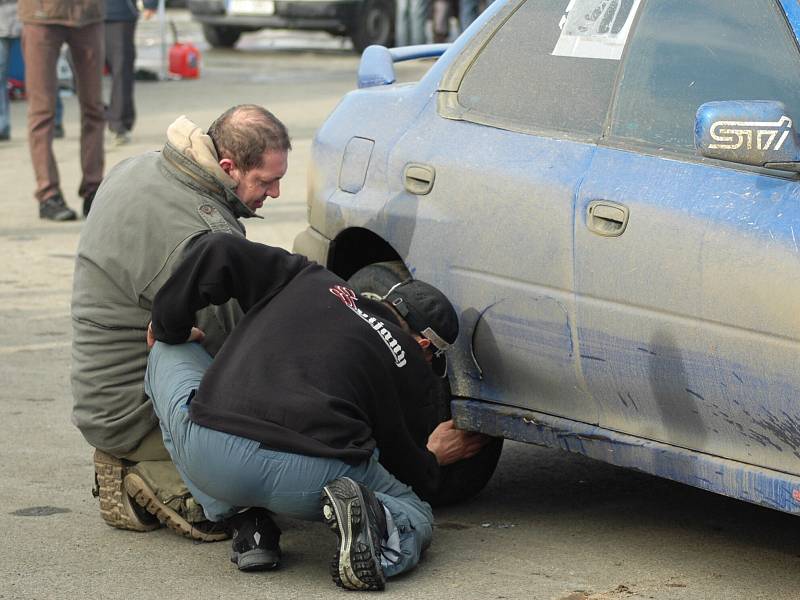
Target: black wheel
[(373, 24), (220, 36), (463, 479)]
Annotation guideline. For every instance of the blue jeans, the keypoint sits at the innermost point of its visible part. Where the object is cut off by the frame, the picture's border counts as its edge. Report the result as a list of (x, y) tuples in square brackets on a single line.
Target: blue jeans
[(409, 28), (5, 117), (226, 472), (469, 11), (59, 118)]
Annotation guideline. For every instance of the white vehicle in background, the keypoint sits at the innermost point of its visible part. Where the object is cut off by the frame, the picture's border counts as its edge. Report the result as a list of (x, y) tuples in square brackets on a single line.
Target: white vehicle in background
[(365, 22)]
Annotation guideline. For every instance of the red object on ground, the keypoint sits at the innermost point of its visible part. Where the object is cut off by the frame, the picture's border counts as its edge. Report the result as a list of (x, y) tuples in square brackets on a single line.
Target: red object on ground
[(184, 61), (16, 89)]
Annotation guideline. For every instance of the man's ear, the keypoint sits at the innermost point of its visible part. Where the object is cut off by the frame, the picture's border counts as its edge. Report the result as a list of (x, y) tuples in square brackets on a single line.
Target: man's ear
[(227, 165)]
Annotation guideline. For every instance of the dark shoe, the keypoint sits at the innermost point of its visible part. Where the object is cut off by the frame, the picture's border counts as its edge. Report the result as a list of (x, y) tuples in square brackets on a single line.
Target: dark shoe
[(144, 496), (4, 137), (356, 516), (121, 138), (58, 131), (87, 203), (55, 209), (256, 540)]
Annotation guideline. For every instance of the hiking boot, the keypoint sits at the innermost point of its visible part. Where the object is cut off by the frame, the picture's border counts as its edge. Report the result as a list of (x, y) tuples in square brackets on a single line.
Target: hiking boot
[(116, 507), (256, 540), (144, 496), (55, 209), (356, 516)]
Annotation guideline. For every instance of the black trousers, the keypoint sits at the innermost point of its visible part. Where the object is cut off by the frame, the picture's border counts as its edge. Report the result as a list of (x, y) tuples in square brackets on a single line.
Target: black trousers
[(120, 58)]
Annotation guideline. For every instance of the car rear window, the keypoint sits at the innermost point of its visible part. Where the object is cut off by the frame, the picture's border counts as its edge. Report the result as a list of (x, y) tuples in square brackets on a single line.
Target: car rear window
[(520, 79), (683, 54)]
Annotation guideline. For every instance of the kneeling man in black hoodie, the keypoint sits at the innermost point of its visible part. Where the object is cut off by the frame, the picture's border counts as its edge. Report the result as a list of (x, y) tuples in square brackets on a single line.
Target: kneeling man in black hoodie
[(313, 385)]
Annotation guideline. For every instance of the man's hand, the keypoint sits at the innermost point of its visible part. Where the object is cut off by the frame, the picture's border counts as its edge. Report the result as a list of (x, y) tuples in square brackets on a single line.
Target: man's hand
[(148, 13), (450, 445), (196, 335)]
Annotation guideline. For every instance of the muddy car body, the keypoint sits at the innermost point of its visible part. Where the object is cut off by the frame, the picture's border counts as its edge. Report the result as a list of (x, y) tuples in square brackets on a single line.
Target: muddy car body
[(608, 192)]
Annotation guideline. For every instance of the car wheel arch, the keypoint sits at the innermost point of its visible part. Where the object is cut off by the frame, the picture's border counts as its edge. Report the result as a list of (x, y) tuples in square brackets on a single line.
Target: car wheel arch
[(357, 247)]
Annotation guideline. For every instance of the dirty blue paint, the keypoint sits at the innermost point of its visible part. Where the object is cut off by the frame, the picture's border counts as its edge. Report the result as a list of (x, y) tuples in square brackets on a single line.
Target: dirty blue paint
[(682, 395), (792, 10), (675, 343), (765, 487)]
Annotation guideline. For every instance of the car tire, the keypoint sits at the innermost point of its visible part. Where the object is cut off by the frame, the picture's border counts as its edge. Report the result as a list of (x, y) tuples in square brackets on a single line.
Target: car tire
[(373, 24), (220, 36), (463, 479)]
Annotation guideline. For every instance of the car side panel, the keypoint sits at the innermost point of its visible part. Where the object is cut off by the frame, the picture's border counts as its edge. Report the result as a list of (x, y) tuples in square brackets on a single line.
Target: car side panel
[(689, 322), (495, 234)]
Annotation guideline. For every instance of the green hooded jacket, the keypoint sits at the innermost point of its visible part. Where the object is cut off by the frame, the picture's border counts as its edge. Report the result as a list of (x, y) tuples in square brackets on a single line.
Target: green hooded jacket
[(147, 212)]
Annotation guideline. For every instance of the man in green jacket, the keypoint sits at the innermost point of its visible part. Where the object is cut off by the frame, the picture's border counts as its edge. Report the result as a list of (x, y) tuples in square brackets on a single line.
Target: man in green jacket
[(148, 212)]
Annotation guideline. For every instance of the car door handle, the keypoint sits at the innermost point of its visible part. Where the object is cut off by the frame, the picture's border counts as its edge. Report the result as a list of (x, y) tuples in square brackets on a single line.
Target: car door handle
[(605, 218), (418, 179)]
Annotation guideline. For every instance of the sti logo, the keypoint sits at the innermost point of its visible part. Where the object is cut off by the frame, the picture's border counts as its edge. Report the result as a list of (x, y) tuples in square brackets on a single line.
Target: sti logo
[(732, 135)]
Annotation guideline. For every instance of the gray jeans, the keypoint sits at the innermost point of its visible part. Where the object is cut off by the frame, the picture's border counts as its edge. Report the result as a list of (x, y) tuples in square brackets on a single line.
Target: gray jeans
[(410, 18), (225, 472)]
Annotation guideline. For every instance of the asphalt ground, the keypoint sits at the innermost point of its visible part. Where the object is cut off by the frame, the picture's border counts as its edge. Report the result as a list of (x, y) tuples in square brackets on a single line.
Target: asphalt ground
[(548, 526)]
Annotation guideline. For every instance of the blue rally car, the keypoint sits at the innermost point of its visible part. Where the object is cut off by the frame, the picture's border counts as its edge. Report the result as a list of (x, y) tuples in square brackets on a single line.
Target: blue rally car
[(608, 191)]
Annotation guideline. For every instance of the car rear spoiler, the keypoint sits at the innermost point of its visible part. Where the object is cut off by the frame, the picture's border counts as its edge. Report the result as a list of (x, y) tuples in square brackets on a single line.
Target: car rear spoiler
[(377, 62)]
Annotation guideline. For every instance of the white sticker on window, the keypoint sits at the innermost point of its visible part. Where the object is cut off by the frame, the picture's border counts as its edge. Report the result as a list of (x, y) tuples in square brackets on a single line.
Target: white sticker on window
[(596, 28)]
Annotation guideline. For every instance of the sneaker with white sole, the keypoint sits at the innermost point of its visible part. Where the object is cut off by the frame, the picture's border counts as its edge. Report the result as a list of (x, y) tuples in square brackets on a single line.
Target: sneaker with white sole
[(356, 516)]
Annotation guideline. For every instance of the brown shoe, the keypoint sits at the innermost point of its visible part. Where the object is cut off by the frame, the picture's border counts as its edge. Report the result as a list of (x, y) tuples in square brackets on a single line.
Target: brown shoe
[(143, 495), (116, 507)]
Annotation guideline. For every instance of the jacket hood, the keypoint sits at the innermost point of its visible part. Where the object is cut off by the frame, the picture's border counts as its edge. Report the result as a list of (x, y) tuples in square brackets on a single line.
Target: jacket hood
[(191, 143), (188, 139)]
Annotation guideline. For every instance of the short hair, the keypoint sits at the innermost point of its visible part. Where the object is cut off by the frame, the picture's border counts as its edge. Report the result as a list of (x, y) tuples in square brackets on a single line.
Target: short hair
[(245, 132)]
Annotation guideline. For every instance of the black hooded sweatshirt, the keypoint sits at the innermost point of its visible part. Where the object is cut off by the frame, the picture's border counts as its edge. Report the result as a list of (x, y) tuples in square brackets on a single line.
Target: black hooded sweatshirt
[(312, 368)]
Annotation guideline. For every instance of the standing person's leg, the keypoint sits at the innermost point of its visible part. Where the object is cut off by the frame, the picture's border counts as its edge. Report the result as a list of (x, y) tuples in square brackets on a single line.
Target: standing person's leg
[(40, 47), (469, 11), (58, 127), (86, 45), (5, 117), (420, 12), (441, 20), (120, 58), (401, 28)]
